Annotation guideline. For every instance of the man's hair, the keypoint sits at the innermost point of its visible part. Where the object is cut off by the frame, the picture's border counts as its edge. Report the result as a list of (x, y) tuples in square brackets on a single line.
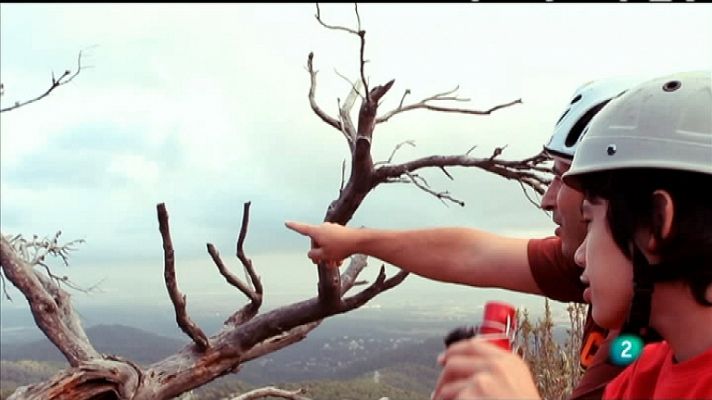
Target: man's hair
[(687, 252)]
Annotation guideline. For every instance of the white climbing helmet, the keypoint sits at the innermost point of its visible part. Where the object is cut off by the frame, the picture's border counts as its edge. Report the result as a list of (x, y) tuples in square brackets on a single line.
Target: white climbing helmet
[(587, 100), (663, 123)]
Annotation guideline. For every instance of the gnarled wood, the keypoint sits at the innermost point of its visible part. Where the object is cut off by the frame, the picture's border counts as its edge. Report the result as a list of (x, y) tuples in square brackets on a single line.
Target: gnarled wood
[(50, 306)]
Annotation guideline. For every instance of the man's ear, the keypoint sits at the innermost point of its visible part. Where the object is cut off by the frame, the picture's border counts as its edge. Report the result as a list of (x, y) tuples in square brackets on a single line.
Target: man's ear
[(663, 215)]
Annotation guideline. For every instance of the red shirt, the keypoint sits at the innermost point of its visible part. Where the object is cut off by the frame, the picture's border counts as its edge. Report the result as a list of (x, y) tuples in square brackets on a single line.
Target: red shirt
[(559, 279), (656, 376)]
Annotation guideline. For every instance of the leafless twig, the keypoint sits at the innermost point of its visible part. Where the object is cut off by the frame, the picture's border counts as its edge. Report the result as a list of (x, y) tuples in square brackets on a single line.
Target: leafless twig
[(343, 176), (354, 87), (393, 153), (246, 262), (530, 171), (65, 78), (4, 287), (362, 37), (335, 27), (231, 278), (312, 93), (182, 318), (423, 104), (442, 196), (271, 391)]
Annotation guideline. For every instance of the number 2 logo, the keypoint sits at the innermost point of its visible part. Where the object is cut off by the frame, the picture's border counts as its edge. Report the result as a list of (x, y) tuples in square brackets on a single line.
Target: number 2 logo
[(625, 352)]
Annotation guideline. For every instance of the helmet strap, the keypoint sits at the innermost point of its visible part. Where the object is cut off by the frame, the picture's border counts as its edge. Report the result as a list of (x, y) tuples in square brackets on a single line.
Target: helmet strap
[(638, 322)]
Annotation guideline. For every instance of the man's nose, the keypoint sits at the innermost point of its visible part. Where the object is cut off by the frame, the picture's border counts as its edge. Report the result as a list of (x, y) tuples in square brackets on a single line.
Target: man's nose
[(548, 200)]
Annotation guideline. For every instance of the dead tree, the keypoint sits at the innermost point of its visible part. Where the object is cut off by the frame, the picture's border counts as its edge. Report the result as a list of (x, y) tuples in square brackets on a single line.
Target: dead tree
[(366, 175), (246, 334)]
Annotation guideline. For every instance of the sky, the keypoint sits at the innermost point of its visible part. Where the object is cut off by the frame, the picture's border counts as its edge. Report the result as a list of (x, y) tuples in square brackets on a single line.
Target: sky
[(204, 107)]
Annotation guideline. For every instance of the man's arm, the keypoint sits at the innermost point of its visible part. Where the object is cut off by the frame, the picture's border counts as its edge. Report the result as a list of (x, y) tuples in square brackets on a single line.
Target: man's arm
[(458, 255)]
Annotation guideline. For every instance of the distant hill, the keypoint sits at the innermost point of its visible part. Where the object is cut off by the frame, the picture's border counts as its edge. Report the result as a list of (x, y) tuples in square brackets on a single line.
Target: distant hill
[(135, 344)]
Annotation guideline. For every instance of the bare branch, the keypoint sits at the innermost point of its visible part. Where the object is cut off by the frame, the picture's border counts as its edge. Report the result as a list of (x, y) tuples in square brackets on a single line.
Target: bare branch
[(312, 100), (231, 278), (348, 277), (343, 176), (358, 17), (273, 344), (65, 78), (354, 87), (59, 280), (446, 173), (271, 391), (347, 124), (497, 152), (381, 284), (423, 104), (525, 171), (380, 91), (526, 194), (442, 196), (4, 287), (362, 36), (393, 153), (50, 305), (400, 105), (255, 296), (246, 262), (334, 27), (184, 322), (94, 379), (36, 250)]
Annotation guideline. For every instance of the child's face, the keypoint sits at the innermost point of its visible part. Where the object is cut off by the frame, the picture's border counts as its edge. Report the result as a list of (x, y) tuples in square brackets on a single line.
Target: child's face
[(606, 269)]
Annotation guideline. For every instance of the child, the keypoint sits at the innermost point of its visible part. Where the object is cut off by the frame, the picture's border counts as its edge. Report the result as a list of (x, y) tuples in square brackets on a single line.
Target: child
[(643, 166)]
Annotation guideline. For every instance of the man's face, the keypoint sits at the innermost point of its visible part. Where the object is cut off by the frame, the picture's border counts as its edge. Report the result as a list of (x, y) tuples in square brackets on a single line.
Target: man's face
[(565, 203)]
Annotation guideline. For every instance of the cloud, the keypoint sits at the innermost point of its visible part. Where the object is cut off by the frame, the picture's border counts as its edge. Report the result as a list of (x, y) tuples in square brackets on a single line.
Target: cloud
[(204, 107)]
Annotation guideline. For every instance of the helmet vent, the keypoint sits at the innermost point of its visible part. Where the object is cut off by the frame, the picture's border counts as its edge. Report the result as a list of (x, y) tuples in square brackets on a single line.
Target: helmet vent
[(562, 117), (575, 99), (576, 131), (672, 86), (611, 150)]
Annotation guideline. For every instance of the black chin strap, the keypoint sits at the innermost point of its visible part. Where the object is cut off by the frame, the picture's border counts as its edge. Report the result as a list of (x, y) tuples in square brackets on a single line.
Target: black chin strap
[(644, 278)]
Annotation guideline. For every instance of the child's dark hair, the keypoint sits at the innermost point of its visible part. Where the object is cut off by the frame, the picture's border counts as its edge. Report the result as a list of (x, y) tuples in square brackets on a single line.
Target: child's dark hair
[(688, 248)]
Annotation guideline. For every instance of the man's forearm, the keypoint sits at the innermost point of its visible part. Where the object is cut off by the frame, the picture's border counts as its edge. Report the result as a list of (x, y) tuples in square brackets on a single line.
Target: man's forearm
[(458, 255)]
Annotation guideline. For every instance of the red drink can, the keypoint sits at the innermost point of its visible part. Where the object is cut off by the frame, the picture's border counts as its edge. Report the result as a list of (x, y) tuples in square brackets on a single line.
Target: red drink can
[(499, 324)]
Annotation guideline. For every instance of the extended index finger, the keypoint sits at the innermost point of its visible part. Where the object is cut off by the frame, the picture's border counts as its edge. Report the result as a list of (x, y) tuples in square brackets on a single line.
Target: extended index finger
[(304, 229)]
